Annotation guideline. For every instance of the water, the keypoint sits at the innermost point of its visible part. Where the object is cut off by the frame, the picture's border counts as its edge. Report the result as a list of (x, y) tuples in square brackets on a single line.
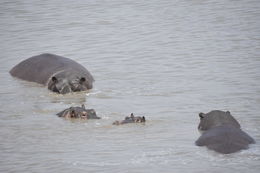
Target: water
[(167, 60)]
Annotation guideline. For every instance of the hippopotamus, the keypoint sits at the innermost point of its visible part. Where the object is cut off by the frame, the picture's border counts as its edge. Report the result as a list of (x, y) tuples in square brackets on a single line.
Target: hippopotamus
[(59, 74), (78, 112), (221, 132), (130, 119)]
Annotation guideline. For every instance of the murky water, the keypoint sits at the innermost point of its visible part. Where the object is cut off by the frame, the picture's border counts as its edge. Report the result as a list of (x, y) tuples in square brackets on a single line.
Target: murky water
[(167, 60)]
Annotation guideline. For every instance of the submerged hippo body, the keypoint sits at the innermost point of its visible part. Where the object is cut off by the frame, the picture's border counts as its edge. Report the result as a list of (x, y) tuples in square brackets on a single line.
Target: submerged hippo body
[(78, 112), (61, 75), (221, 132), (130, 119)]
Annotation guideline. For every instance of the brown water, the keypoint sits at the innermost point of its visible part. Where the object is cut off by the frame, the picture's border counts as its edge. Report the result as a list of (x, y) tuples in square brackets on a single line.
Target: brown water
[(167, 60)]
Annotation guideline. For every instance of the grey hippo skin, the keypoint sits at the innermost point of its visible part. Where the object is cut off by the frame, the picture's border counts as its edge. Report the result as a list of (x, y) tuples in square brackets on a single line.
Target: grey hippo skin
[(221, 132), (130, 119), (78, 112), (61, 75)]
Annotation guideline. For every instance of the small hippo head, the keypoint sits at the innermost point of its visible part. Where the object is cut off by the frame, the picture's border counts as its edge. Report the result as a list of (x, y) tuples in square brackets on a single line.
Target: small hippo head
[(78, 112), (135, 119), (69, 81), (139, 119), (131, 119), (216, 118)]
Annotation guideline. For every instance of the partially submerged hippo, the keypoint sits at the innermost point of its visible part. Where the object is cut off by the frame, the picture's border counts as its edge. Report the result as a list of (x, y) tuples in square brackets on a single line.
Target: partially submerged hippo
[(131, 119), (221, 132), (78, 112), (61, 75)]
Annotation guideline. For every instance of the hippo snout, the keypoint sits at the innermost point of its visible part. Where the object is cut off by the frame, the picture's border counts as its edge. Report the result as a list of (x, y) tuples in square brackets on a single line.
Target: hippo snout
[(66, 89)]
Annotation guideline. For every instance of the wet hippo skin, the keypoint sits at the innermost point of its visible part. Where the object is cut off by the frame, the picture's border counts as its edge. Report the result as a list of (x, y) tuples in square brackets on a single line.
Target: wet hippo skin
[(130, 119), (59, 74), (78, 112), (221, 132)]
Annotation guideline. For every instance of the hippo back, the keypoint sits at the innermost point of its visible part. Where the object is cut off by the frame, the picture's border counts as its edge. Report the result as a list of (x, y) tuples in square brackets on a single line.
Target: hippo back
[(41, 67), (225, 139)]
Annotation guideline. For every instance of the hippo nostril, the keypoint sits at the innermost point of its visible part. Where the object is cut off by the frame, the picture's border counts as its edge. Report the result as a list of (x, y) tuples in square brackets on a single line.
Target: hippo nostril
[(84, 116), (65, 90)]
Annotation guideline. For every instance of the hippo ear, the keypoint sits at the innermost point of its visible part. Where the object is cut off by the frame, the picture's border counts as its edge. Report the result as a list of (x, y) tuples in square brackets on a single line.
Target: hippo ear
[(228, 112), (54, 79), (201, 115), (83, 106), (82, 80)]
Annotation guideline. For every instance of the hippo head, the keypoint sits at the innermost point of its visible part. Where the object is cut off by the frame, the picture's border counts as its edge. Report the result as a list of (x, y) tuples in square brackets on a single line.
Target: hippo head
[(139, 119), (69, 81), (130, 119), (216, 118), (78, 112)]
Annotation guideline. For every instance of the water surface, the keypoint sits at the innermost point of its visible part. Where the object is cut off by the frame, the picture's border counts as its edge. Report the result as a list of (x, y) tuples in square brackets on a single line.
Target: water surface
[(167, 60)]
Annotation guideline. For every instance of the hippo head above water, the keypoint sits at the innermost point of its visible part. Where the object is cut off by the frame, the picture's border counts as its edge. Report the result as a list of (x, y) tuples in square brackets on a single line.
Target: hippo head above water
[(61, 75), (131, 119), (216, 118), (66, 82), (78, 112)]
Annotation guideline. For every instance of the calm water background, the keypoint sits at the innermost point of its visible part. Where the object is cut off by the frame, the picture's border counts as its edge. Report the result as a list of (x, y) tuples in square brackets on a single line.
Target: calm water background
[(167, 60)]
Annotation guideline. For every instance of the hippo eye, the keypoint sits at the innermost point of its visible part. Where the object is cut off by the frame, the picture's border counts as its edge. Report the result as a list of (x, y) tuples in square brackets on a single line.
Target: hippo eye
[(73, 114), (201, 115), (82, 80), (54, 79)]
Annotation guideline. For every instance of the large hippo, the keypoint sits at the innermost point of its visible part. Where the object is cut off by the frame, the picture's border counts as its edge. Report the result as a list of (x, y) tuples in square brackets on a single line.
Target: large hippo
[(78, 112), (61, 75), (130, 119), (221, 132)]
